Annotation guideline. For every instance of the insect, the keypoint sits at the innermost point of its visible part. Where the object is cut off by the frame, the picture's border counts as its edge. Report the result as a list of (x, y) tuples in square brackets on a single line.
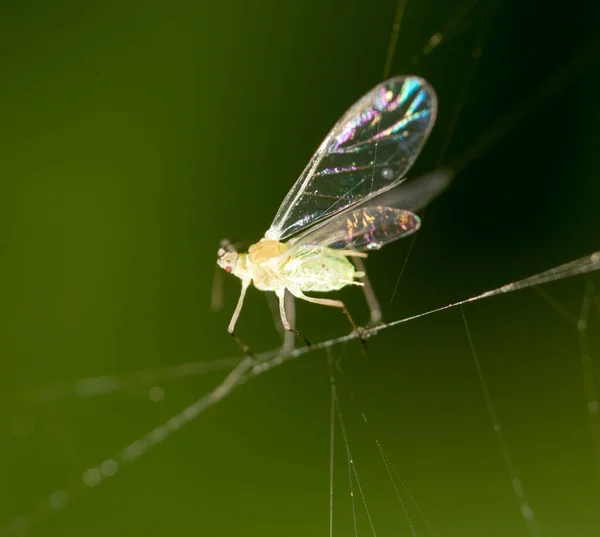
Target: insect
[(328, 219)]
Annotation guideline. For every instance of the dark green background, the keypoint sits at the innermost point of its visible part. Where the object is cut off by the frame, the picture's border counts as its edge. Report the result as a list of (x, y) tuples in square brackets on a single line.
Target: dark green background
[(135, 135)]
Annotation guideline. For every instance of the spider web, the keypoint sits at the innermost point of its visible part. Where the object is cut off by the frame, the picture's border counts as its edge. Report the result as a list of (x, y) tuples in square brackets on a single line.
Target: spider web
[(381, 482)]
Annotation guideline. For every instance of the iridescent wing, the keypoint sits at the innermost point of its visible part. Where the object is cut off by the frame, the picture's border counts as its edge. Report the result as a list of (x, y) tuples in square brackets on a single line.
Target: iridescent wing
[(367, 152), (367, 228)]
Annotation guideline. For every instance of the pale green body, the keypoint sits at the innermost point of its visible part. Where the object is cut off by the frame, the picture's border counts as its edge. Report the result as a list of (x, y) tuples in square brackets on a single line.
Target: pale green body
[(318, 269), (274, 266)]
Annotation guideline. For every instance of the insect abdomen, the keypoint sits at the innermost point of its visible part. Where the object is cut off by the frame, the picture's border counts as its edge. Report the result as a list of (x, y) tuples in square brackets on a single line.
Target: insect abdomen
[(323, 272)]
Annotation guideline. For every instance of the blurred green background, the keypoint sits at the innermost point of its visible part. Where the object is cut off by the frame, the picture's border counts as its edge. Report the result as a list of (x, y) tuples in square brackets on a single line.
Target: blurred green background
[(135, 135)]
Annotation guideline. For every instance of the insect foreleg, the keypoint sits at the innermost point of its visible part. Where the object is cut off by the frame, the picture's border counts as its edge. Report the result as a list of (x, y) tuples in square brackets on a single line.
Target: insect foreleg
[(234, 319), (372, 301), (284, 319)]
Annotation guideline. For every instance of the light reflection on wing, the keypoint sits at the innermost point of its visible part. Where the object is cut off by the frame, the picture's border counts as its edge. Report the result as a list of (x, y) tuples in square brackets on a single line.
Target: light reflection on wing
[(368, 228), (368, 151)]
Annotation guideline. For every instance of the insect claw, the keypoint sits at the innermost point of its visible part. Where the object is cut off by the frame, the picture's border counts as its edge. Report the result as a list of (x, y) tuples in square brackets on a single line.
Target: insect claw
[(308, 343)]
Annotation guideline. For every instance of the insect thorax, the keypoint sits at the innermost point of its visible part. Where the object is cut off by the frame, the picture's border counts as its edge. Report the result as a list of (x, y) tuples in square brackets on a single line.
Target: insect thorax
[(265, 250)]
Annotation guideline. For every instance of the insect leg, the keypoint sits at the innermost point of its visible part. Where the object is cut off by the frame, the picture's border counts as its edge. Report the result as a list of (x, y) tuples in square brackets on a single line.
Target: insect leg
[(334, 304), (290, 309), (352, 253), (287, 337), (284, 320), (372, 301), (234, 319), (274, 308)]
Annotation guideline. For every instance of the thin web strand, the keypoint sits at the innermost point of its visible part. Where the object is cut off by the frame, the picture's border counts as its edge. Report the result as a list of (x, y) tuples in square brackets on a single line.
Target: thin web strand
[(352, 465), (548, 298), (517, 484), (589, 383), (454, 27), (391, 52), (332, 389), (476, 54), (351, 486), (406, 258), (391, 470), (88, 387), (397, 491), (390, 466)]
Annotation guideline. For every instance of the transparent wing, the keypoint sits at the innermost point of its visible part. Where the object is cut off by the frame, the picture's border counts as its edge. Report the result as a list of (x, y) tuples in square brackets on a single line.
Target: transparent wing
[(367, 228), (367, 152), (415, 194)]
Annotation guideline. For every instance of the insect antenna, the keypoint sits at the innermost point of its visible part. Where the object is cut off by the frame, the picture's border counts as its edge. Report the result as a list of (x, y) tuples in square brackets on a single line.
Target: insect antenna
[(226, 246), (216, 295)]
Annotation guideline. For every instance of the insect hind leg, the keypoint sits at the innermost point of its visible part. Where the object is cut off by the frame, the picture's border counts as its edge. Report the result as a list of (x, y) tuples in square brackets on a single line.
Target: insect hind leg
[(372, 302), (334, 304)]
